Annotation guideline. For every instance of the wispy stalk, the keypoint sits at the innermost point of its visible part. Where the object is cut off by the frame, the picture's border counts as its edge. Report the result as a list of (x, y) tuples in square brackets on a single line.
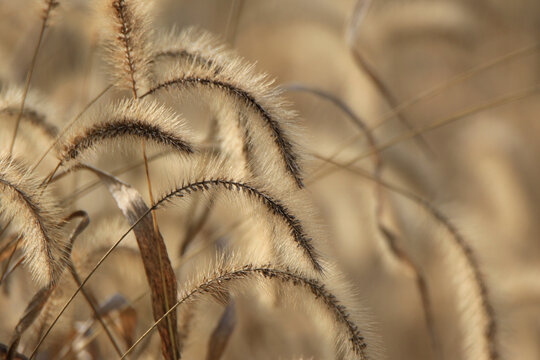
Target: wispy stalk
[(233, 19), (456, 80), (489, 328), (49, 6), (381, 86), (435, 125), (94, 184), (90, 299), (390, 237)]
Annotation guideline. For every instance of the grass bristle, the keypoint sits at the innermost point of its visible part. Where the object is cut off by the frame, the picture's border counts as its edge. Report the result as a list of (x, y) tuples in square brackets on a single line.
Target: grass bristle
[(127, 36), (218, 75), (127, 120), (37, 218)]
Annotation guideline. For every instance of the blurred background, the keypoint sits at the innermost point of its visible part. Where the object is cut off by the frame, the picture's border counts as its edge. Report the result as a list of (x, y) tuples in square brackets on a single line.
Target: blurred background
[(467, 73)]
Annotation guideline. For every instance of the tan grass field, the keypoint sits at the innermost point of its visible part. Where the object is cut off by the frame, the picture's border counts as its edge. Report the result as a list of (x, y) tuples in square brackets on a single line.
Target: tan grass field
[(249, 179)]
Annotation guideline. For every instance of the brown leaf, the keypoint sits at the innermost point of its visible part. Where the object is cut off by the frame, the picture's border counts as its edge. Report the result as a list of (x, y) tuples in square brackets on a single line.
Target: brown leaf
[(30, 314), (126, 313), (6, 251), (128, 320), (161, 279), (222, 333), (4, 354), (80, 343)]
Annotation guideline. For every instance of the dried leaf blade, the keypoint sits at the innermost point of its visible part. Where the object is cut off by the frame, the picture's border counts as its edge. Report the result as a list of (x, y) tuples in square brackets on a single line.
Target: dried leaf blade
[(161, 279), (222, 333)]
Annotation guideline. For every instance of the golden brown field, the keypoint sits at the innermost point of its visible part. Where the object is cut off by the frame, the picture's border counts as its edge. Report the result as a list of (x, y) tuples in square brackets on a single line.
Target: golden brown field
[(249, 179)]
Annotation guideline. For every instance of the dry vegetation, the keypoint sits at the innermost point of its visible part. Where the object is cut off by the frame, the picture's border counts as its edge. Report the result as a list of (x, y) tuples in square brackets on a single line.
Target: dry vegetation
[(161, 197)]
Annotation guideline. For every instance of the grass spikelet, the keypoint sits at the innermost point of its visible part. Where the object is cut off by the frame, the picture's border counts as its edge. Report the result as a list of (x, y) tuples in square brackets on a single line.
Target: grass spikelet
[(229, 83), (478, 318), (127, 36), (274, 206), (391, 239), (218, 282), (234, 140), (36, 217), (214, 177), (477, 313), (33, 114), (129, 119), (190, 48)]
